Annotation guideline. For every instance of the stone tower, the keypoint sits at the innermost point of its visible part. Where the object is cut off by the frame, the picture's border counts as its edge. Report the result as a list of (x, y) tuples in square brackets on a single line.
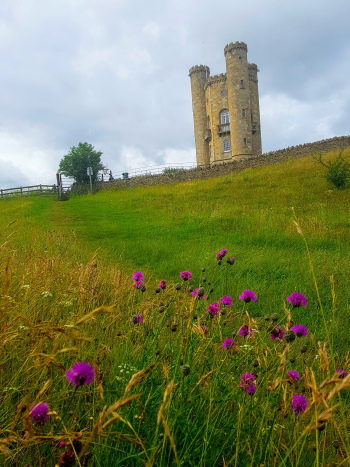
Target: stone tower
[(225, 108)]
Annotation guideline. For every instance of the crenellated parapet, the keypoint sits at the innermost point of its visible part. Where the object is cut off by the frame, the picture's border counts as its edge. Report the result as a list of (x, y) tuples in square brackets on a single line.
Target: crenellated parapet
[(199, 69), (221, 78), (231, 47)]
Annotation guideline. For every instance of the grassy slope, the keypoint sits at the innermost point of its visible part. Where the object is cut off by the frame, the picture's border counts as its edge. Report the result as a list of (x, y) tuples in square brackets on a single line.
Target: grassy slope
[(162, 230), (165, 229)]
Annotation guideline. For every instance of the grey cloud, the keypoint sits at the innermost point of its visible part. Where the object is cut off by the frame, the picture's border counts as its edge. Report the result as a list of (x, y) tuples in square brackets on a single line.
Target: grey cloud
[(115, 73)]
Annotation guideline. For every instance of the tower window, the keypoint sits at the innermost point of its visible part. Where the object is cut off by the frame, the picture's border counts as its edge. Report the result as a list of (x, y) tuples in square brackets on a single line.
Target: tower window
[(227, 145), (244, 142), (241, 84), (243, 113), (224, 117)]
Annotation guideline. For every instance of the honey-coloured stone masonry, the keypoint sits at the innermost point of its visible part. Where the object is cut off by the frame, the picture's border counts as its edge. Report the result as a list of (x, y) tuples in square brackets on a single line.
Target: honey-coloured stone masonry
[(226, 113)]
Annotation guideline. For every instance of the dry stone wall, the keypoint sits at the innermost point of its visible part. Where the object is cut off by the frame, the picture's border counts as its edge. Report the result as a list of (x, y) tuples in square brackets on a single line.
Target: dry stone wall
[(268, 158)]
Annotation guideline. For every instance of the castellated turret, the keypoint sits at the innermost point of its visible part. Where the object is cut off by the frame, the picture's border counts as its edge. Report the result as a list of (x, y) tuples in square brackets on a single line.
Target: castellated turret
[(226, 109), (199, 75)]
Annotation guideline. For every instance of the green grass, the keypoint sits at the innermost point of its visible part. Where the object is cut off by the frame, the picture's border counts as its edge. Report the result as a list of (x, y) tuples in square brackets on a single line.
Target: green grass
[(61, 260)]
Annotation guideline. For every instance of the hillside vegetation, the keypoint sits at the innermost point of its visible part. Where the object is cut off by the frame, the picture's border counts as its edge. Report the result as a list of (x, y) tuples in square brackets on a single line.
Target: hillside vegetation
[(66, 296)]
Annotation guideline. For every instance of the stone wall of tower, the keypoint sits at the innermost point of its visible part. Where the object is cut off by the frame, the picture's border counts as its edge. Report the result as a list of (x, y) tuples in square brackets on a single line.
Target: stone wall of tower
[(239, 98), (216, 101), (255, 109), (199, 75)]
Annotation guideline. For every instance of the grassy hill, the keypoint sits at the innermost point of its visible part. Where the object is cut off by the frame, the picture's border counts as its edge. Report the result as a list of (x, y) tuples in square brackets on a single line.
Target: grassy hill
[(288, 231)]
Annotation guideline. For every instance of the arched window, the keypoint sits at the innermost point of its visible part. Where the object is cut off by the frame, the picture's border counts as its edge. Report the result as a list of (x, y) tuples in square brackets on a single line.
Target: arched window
[(227, 145), (224, 117)]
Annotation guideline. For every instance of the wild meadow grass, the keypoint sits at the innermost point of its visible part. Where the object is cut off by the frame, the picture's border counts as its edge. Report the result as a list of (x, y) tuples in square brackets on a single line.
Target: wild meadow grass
[(177, 379)]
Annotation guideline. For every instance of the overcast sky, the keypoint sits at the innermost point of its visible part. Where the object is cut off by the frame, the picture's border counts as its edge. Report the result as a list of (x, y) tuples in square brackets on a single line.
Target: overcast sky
[(114, 73)]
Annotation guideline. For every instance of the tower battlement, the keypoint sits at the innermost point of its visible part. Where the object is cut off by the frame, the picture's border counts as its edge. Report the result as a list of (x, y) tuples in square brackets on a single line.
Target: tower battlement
[(199, 69), (235, 46), (225, 108)]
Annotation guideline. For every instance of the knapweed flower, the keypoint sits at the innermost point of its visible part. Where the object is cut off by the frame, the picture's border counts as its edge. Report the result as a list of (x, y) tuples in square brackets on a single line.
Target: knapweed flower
[(299, 330), (162, 284), (138, 277), (245, 331), (231, 260), (247, 379), (248, 296), (341, 373), (80, 373), (204, 329), (226, 300), (251, 389), (185, 275), (277, 333), (137, 319), (228, 343), (299, 403), (297, 299), (220, 254), (199, 293), (294, 375), (213, 309), (40, 413), (138, 285)]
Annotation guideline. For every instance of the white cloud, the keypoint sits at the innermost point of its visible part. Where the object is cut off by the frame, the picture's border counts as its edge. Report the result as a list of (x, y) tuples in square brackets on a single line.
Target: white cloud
[(152, 30), (115, 74)]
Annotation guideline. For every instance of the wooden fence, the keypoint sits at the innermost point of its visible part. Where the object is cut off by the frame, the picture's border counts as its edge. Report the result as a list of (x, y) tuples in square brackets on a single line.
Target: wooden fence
[(29, 190)]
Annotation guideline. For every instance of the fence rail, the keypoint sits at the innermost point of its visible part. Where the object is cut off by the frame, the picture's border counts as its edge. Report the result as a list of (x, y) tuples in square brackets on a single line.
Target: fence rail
[(26, 190)]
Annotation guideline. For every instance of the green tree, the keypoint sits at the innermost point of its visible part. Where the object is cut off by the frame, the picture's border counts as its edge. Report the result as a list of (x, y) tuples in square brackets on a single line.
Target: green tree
[(76, 162)]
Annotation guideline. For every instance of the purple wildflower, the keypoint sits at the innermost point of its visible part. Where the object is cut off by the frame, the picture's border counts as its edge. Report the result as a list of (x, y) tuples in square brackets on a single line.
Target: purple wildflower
[(299, 330), (138, 276), (138, 284), (137, 319), (204, 329), (198, 293), (294, 375), (251, 389), (80, 373), (185, 275), (221, 254), (40, 413), (246, 331), (231, 260), (247, 379), (341, 373), (213, 309), (228, 343), (297, 299), (248, 296), (299, 403), (162, 284), (277, 333), (226, 300)]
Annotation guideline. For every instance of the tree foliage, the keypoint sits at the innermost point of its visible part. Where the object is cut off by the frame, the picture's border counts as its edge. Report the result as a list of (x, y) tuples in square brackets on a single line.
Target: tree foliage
[(76, 162), (338, 171)]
